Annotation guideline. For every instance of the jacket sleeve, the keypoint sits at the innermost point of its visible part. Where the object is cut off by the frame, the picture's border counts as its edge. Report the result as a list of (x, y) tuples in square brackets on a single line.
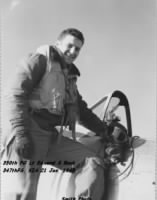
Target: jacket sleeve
[(89, 120), (28, 75)]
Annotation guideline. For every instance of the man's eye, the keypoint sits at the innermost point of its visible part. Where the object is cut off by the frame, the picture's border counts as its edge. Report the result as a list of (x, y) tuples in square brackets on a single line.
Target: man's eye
[(77, 49), (70, 46)]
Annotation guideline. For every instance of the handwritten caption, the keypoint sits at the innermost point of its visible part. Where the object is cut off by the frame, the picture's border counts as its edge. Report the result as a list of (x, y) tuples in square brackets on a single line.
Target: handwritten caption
[(38, 166)]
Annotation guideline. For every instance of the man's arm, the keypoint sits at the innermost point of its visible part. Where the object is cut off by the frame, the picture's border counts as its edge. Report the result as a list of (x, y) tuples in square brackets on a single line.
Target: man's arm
[(27, 78), (89, 120)]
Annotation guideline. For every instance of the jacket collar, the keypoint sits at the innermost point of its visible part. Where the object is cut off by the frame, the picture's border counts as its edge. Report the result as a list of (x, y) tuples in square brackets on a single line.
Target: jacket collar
[(53, 53), (73, 70)]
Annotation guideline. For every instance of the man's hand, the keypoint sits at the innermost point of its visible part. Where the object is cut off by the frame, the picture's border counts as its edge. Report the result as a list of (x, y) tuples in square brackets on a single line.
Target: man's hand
[(24, 146), (106, 133)]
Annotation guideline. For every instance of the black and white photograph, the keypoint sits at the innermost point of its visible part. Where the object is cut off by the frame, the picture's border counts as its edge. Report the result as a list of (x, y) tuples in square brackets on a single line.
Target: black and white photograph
[(78, 100)]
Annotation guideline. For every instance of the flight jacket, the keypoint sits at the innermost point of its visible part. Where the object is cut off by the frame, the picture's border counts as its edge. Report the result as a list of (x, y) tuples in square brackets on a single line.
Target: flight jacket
[(29, 75)]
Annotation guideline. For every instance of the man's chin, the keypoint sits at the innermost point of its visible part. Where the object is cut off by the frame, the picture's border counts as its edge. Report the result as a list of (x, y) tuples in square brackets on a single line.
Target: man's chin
[(69, 61)]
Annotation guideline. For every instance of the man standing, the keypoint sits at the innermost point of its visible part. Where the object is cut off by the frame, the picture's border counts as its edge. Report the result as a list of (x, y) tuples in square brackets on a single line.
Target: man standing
[(44, 96)]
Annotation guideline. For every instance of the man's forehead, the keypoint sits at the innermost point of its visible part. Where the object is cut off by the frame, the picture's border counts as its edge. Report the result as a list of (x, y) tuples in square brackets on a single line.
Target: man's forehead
[(70, 39)]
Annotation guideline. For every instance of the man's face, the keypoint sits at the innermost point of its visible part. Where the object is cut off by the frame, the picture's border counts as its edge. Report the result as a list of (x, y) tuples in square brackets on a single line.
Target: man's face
[(70, 47)]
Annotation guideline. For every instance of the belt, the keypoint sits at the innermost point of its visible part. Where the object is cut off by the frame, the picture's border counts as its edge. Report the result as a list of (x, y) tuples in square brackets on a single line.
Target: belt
[(50, 111), (34, 110)]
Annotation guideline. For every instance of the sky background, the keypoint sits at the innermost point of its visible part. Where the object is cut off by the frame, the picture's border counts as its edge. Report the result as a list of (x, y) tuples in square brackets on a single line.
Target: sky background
[(119, 51)]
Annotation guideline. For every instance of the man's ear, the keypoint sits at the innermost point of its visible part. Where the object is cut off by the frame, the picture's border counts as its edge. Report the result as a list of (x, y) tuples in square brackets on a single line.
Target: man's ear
[(57, 43)]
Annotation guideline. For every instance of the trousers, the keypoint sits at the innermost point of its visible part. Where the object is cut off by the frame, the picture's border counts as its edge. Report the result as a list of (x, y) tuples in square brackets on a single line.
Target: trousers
[(21, 180)]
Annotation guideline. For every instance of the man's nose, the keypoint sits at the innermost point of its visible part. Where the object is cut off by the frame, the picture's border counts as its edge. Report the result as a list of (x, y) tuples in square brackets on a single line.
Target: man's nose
[(72, 50)]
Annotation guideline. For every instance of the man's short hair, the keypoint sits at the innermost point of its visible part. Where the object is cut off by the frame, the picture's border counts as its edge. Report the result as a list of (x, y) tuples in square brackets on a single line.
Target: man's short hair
[(74, 32)]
